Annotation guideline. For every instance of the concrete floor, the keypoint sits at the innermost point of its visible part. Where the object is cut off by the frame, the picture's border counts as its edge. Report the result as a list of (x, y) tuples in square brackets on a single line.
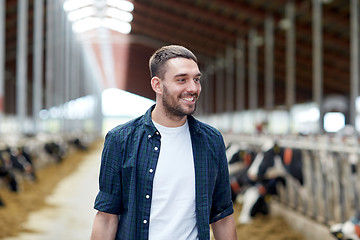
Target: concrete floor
[(71, 213)]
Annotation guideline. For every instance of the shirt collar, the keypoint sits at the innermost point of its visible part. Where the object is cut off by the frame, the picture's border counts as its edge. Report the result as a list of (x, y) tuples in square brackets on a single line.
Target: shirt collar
[(194, 126), (149, 126)]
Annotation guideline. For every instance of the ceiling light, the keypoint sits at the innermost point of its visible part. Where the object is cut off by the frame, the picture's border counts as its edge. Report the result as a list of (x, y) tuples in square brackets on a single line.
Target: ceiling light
[(118, 14), (86, 24), (116, 25), (81, 13), (121, 4), (71, 5), (284, 24), (326, 1)]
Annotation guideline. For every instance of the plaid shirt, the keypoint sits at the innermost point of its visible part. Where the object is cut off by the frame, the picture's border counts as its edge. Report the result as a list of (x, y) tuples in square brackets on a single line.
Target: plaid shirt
[(127, 171)]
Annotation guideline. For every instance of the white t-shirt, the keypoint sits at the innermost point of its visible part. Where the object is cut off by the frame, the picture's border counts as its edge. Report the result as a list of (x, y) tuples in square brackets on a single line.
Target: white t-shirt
[(172, 214)]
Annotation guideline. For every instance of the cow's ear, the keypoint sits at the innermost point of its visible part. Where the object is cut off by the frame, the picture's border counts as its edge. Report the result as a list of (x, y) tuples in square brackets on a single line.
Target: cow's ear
[(276, 149)]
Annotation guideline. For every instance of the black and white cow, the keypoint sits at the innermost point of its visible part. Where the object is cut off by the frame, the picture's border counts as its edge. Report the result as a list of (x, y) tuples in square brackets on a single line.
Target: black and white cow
[(7, 177), (15, 163), (349, 230), (55, 150), (22, 161), (277, 162), (7, 171), (268, 169), (239, 159)]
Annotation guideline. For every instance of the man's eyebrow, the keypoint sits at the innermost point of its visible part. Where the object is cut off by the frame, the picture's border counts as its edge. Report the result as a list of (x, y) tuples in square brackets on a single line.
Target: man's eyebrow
[(185, 74)]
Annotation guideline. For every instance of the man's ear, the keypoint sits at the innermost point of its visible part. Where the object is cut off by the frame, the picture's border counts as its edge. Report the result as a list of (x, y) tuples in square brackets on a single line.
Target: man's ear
[(156, 85)]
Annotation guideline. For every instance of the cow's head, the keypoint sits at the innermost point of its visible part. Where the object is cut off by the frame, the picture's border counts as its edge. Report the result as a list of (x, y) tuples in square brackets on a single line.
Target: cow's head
[(267, 163)]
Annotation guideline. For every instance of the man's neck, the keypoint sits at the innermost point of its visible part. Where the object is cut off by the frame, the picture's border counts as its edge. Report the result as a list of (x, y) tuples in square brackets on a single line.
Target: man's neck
[(160, 117)]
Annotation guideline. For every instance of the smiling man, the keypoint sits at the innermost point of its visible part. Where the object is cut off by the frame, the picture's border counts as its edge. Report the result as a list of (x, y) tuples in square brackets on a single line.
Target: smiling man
[(164, 175)]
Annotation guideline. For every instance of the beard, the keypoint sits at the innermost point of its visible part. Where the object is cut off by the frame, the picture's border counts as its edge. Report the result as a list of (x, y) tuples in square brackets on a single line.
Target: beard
[(174, 108)]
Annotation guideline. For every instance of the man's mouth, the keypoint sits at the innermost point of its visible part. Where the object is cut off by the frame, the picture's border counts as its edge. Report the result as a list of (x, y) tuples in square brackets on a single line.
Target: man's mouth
[(189, 99)]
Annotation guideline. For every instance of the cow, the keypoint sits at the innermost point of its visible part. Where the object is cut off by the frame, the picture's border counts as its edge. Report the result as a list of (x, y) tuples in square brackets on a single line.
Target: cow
[(7, 176), (239, 159), (55, 150), (22, 161), (78, 144), (269, 168), (15, 163), (277, 162), (255, 200), (349, 230), (7, 171)]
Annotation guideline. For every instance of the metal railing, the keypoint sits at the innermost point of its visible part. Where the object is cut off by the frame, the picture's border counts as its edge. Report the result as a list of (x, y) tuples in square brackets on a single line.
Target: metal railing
[(330, 191)]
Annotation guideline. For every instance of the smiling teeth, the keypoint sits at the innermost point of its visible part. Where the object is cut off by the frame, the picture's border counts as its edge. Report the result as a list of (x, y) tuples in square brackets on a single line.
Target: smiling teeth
[(189, 99)]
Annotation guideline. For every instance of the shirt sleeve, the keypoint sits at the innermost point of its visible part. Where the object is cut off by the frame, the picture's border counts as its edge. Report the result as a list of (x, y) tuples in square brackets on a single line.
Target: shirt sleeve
[(108, 198), (222, 205)]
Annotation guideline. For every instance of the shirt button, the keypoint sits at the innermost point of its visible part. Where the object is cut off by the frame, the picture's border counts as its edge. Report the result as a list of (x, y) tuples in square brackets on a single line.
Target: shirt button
[(157, 133), (151, 170), (147, 196), (156, 148), (145, 222), (149, 136)]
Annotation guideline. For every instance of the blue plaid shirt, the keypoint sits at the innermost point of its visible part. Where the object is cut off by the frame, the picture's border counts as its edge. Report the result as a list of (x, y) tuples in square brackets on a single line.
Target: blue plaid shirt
[(127, 171)]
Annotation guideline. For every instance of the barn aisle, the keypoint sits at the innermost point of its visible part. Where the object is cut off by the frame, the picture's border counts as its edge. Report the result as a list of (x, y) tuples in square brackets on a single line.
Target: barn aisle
[(70, 214)]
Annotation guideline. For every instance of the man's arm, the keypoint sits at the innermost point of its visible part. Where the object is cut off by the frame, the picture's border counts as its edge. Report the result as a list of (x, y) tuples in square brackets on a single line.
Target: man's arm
[(105, 226), (224, 229)]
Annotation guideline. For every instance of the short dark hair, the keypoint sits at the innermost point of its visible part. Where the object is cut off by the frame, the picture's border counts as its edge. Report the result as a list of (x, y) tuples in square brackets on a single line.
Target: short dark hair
[(158, 59)]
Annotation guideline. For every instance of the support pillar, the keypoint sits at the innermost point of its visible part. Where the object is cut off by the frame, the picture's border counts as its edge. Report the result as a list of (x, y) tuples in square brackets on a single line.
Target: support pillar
[(253, 93), (21, 63), (2, 57), (50, 53), (317, 58), (240, 74), (220, 85), (229, 67), (290, 55), (37, 63), (354, 59), (269, 63)]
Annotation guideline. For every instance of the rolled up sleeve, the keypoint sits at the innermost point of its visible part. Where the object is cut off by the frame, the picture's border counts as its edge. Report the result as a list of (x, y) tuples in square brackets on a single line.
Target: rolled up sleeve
[(222, 205), (109, 196)]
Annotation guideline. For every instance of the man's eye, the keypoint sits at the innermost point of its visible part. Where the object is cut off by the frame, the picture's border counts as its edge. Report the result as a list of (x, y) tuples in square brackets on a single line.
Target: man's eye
[(182, 80), (197, 79)]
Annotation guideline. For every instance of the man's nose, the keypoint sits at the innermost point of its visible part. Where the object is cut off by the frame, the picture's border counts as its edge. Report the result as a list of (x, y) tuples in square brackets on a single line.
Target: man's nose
[(193, 86)]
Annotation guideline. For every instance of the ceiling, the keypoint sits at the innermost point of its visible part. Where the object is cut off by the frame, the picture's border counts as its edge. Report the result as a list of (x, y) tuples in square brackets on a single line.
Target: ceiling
[(208, 27)]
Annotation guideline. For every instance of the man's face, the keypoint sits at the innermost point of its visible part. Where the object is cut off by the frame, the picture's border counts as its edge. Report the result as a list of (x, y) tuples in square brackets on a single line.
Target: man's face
[(181, 87)]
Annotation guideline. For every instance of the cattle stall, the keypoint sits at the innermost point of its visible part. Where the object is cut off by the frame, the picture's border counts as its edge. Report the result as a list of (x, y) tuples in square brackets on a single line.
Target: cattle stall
[(329, 193), (22, 155)]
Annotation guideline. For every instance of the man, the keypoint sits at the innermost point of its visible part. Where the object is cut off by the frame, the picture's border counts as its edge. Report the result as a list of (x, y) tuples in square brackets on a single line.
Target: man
[(164, 175)]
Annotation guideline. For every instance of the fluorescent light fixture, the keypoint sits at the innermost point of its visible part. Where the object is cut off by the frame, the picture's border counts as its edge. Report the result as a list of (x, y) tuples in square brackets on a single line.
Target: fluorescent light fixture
[(81, 13), (285, 24), (327, 1), (91, 14), (334, 121), (116, 25), (119, 14), (71, 5), (90, 23), (86, 24), (121, 4)]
